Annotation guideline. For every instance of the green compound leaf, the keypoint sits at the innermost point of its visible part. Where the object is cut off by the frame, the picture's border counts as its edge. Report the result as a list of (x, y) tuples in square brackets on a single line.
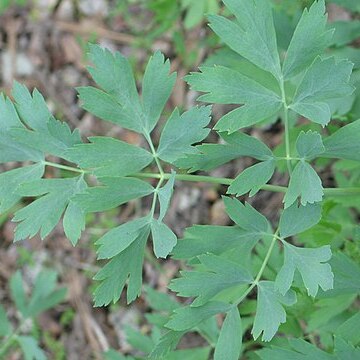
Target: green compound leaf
[(304, 183), (10, 149), (201, 239), (311, 263), (270, 312), (165, 194), (10, 180), (163, 238), (157, 87), (296, 219), (127, 264), (118, 101), (188, 317), (226, 86), (218, 274), (210, 156), (252, 179), (47, 134), (310, 39), (253, 25), (246, 216), (114, 192), (316, 90), (255, 85), (43, 214), (181, 131), (118, 239), (344, 143), (106, 156), (228, 346), (309, 145)]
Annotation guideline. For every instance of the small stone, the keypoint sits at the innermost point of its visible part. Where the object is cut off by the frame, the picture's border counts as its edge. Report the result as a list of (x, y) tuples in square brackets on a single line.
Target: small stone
[(217, 213), (91, 8)]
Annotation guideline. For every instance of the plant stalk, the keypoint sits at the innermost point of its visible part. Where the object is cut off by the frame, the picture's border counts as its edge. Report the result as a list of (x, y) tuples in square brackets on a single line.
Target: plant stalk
[(262, 268), (286, 125), (213, 180), (64, 167), (161, 175), (287, 139)]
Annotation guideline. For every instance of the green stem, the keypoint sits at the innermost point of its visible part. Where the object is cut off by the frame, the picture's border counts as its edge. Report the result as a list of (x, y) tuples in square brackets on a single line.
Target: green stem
[(186, 177), (155, 155), (227, 181), (287, 139), (267, 257), (279, 158), (213, 180), (153, 205), (262, 269), (64, 167), (342, 191), (286, 124), (160, 176)]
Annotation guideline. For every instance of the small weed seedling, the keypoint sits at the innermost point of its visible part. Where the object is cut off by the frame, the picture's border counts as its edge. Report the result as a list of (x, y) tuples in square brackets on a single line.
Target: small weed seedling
[(43, 297)]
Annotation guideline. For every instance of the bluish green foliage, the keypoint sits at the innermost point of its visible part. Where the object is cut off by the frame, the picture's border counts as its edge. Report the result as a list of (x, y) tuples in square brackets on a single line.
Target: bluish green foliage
[(216, 275), (314, 94), (306, 45), (305, 184), (225, 265), (100, 155), (270, 312), (227, 86), (229, 344), (253, 178), (310, 264), (186, 318)]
